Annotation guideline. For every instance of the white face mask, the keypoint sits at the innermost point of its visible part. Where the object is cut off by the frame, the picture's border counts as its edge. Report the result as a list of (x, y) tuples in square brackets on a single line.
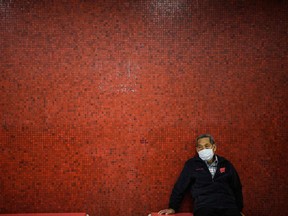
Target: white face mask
[(206, 154)]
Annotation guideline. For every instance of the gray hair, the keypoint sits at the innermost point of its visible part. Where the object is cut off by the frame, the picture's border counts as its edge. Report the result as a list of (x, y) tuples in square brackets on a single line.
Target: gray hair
[(211, 139)]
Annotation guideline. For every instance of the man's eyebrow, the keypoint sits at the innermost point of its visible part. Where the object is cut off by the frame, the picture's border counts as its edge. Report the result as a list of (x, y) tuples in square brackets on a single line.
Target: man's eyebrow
[(205, 144), (198, 144)]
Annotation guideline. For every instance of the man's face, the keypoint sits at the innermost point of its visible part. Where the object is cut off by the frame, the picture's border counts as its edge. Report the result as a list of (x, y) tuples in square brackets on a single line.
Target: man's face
[(204, 143)]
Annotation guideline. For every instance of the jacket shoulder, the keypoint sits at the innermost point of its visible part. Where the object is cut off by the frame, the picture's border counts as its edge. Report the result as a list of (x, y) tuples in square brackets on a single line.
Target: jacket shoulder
[(223, 160), (193, 161)]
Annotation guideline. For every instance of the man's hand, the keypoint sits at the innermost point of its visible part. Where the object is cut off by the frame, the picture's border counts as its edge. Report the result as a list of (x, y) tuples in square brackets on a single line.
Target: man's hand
[(242, 214), (166, 212)]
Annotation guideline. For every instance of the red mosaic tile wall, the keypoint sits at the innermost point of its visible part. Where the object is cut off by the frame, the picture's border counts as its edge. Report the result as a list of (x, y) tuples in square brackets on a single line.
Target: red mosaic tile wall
[(101, 101)]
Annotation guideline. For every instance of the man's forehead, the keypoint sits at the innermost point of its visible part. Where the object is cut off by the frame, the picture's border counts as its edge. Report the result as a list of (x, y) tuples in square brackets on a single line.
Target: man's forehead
[(203, 140)]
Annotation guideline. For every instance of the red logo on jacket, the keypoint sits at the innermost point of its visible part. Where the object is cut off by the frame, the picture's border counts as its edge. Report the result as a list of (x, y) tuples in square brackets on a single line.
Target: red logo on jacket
[(222, 169)]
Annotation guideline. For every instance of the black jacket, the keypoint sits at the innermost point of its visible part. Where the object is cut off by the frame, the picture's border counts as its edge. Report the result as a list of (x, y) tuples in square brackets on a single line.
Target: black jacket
[(223, 191)]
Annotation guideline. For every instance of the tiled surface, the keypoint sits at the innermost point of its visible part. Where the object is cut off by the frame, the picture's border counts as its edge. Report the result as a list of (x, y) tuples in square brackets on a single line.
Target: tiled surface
[(46, 214), (100, 102)]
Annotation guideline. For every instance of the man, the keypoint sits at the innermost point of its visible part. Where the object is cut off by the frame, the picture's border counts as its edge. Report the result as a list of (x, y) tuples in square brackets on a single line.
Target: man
[(213, 182)]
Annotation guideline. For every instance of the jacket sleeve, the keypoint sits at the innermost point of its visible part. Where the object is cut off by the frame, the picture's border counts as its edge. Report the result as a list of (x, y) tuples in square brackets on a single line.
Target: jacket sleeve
[(180, 187), (237, 188)]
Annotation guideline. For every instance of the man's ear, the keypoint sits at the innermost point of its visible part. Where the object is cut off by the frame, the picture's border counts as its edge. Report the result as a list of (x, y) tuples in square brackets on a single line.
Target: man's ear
[(214, 147)]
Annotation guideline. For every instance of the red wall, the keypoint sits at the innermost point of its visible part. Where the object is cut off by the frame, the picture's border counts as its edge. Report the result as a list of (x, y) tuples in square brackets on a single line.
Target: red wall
[(101, 101)]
